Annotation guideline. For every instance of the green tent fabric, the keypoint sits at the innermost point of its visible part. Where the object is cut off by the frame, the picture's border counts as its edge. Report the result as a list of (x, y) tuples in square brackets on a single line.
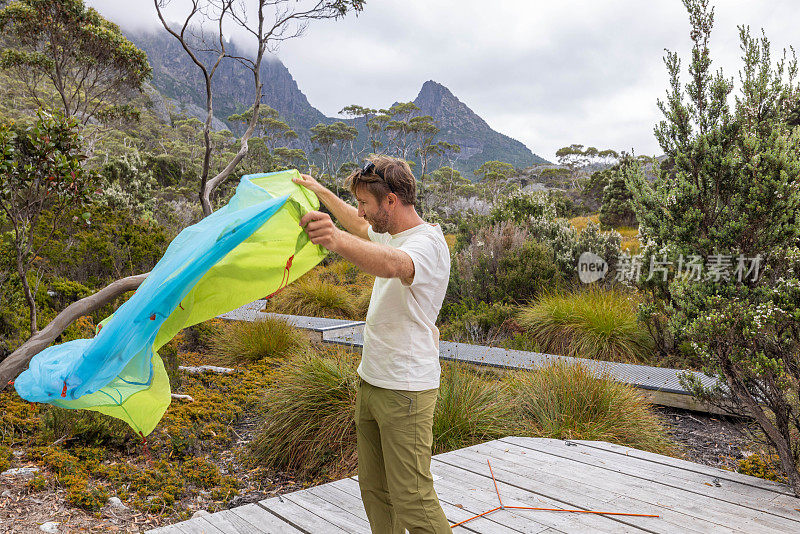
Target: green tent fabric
[(248, 259)]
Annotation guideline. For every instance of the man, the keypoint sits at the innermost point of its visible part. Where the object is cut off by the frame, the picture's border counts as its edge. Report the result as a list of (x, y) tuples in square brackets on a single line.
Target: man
[(399, 366)]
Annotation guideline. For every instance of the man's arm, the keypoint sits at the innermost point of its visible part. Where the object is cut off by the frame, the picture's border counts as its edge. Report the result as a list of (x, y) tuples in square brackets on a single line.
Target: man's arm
[(344, 212), (373, 258)]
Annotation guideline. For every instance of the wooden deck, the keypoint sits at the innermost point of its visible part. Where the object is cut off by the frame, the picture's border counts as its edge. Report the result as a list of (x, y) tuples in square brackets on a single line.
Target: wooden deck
[(580, 475)]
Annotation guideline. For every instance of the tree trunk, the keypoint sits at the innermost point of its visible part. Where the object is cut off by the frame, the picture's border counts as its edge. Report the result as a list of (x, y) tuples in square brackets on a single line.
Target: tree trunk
[(773, 434), (16, 362), (26, 288)]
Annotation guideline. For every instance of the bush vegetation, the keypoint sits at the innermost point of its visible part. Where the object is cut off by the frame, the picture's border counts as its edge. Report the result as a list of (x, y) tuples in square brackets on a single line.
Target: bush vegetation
[(566, 401), (244, 341), (308, 412), (338, 290), (592, 323)]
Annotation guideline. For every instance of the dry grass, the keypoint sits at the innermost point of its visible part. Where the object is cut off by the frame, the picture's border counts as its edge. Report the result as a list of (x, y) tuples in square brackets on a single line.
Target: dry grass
[(314, 297), (244, 341), (339, 290), (470, 409), (310, 406), (580, 223), (594, 323), (308, 414), (565, 401), (630, 240)]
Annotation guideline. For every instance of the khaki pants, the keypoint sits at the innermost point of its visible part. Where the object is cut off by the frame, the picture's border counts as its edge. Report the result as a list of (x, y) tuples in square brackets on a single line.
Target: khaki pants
[(395, 435)]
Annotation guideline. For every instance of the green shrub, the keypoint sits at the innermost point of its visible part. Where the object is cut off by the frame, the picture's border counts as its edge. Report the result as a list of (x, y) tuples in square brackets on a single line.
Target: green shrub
[(5, 458), (246, 341), (762, 466), (616, 209), (200, 472), (502, 264), (37, 483), (84, 427), (309, 412), (115, 245), (314, 297), (568, 244), (84, 495), (520, 207), (480, 323), (470, 409), (565, 401), (594, 323)]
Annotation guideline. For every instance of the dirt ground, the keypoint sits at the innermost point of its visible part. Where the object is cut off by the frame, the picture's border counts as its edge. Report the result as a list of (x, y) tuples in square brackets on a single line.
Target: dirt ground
[(708, 439)]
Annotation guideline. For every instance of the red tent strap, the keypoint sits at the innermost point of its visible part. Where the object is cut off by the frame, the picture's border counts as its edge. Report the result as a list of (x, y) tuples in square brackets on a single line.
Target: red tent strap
[(284, 278), (64, 390), (145, 449)]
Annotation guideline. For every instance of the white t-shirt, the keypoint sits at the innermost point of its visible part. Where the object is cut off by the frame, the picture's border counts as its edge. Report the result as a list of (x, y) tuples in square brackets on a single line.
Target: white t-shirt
[(401, 341)]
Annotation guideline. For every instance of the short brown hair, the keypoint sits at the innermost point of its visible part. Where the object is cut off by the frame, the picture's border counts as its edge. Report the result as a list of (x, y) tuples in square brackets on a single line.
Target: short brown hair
[(397, 178)]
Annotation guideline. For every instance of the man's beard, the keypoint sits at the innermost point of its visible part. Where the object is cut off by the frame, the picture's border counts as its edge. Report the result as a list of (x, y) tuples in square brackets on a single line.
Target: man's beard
[(380, 222)]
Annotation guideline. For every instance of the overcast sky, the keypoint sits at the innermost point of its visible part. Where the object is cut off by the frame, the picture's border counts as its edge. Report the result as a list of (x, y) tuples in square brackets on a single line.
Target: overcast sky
[(546, 73)]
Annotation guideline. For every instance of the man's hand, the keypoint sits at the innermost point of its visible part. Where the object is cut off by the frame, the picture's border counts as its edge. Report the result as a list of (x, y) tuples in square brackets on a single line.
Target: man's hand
[(310, 183), (320, 229)]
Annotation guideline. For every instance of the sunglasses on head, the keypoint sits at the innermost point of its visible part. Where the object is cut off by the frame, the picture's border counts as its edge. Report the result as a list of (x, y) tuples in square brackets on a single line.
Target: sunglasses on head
[(370, 168)]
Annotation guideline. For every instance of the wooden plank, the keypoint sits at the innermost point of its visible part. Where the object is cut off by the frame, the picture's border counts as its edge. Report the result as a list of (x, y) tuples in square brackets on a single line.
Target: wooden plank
[(755, 498), (331, 512), (231, 524), (685, 401), (690, 466), (699, 506), (198, 525), (476, 493), (577, 492), (337, 494), (547, 491), (453, 513), (790, 505), (298, 516), (255, 515)]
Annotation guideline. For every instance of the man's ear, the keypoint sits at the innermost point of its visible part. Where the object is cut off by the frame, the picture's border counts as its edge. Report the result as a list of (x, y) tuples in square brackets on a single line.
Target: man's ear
[(391, 199)]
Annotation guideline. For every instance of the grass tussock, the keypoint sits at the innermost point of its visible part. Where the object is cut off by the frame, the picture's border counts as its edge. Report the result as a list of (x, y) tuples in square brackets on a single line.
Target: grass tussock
[(308, 413), (245, 341), (315, 297), (598, 324), (566, 401), (470, 409), (339, 290), (309, 408)]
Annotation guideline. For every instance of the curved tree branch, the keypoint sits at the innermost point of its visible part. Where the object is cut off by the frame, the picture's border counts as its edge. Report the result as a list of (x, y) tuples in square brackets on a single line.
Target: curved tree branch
[(16, 362)]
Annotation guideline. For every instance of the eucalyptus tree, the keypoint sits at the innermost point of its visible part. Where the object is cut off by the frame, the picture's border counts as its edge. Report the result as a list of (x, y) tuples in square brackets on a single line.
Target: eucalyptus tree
[(267, 23), (71, 59), (269, 126)]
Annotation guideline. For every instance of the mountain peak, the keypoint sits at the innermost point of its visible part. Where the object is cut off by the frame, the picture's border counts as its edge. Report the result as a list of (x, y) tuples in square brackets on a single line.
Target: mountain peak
[(459, 124), (432, 89)]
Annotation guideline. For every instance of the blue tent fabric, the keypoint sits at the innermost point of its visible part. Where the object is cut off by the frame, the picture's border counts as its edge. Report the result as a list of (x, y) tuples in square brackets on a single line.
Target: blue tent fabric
[(121, 361)]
